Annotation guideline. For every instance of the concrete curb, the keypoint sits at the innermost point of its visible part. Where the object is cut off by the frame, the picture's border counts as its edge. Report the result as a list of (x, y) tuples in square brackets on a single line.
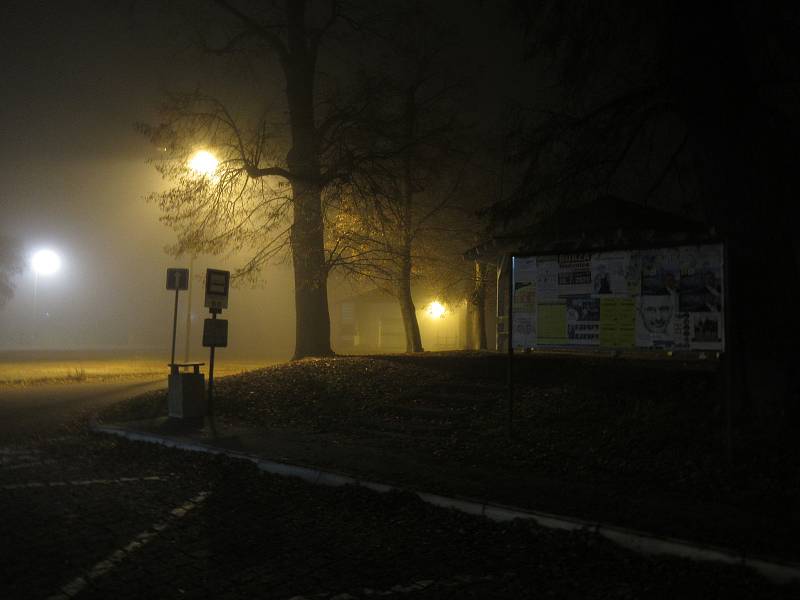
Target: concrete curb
[(775, 571)]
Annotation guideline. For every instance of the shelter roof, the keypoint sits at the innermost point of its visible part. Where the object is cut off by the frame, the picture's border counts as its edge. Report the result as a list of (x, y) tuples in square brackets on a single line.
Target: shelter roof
[(605, 223)]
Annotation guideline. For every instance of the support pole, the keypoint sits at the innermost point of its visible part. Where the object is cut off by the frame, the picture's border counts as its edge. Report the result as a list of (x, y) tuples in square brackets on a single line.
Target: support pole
[(188, 313), (510, 341), (214, 312), (174, 323), (728, 362)]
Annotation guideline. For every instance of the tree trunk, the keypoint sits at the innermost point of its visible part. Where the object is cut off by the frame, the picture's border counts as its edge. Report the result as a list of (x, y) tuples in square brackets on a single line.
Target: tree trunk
[(407, 309), (476, 311), (312, 325)]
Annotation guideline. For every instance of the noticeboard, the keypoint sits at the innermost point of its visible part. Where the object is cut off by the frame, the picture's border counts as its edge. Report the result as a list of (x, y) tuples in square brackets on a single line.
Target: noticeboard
[(217, 286), (660, 298)]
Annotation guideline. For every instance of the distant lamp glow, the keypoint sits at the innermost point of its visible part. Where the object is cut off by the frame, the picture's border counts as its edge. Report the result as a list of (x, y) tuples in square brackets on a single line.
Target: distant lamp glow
[(45, 262), (203, 163), (435, 310)]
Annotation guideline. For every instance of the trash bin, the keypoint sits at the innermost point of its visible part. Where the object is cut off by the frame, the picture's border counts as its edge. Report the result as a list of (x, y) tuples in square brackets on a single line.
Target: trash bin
[(186, 397)]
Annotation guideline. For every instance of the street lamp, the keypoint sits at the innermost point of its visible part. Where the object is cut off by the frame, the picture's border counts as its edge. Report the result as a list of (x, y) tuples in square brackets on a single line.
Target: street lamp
[(203, 162), (45, 262), (436, 310)]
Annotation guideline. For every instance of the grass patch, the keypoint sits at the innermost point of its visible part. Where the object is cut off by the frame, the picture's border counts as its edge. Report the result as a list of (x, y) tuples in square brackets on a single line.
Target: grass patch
[(611, 433), (74, 370)]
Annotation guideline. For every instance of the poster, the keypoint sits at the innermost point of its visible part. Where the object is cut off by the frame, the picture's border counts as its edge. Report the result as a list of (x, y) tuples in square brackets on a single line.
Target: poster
[(700, 288), (609, 274), (552, 324), (706, 331), (583, 321), (633, 274), (574, 275), (617, 322), (660, 272), (547, 278), (681, 331), (654, 320)]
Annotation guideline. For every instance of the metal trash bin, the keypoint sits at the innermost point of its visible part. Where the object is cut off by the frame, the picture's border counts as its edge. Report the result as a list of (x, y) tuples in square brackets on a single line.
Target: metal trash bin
[(186, 397)]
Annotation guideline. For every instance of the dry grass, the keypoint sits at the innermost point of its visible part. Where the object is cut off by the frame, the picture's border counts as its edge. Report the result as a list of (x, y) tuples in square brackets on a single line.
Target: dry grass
[(34, 372)]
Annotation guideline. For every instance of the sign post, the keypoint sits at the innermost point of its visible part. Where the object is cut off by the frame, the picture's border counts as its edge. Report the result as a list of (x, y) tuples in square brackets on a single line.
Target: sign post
[(177, 279), (215, 331)]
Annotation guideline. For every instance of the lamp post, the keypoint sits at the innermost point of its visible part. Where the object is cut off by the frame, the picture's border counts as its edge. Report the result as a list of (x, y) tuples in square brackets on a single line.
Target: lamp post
[(189, 312), (203, 164)]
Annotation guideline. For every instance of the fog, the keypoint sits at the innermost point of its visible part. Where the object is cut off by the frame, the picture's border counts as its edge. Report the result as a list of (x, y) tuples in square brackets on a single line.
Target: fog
[(73, 178), (110, 291)]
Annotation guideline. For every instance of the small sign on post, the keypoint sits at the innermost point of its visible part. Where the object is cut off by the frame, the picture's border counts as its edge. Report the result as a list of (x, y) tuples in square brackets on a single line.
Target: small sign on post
[(177, 279), (215, 333), (217, 286)]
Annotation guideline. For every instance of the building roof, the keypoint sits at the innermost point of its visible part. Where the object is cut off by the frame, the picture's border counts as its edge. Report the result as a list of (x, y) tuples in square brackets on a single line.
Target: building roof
[(605, 223)]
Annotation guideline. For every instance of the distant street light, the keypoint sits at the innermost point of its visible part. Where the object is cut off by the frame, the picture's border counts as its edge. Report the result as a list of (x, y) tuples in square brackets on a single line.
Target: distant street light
[(45, 262), (203, 162), (436, 310)]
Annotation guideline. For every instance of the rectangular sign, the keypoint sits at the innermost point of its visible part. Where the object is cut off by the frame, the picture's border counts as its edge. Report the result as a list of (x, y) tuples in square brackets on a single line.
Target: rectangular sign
[(659, 298), (215, 333), (217, 286), (177, 279)]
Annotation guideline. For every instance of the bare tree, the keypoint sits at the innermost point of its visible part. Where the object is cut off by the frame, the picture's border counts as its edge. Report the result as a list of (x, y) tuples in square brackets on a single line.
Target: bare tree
[(267, 192), (413, 152)]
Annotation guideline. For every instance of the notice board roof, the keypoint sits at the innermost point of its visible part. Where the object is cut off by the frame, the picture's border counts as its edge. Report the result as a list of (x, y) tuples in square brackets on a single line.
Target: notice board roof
[(605, 223)]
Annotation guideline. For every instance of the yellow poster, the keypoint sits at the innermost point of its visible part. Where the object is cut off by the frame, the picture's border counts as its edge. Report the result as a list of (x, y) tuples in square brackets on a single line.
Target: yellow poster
[(552, 322), (617, 322)]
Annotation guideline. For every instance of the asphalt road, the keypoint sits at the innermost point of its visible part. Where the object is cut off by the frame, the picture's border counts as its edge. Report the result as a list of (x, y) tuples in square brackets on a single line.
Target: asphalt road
[(43, 410), (86, 516)]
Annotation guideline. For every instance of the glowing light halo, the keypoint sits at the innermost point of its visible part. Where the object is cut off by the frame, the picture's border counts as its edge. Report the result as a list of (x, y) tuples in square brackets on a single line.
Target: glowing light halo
[(45, 262), (203, 162), (435, 310)]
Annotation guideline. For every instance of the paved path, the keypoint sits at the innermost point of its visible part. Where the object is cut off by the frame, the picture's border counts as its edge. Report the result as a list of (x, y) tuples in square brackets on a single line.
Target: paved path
[(47, 409)]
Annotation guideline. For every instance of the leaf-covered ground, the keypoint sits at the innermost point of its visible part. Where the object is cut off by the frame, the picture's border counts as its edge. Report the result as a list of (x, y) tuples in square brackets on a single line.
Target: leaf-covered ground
[(636, 442)]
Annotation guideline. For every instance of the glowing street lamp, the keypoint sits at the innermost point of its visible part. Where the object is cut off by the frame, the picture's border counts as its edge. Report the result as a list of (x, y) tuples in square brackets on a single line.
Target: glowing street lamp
[(45, 262), (203, 162), (435, 310)]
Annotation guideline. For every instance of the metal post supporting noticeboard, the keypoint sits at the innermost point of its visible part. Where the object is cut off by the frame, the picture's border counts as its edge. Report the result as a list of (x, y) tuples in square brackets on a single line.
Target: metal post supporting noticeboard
[(728, 355), (510, 341)]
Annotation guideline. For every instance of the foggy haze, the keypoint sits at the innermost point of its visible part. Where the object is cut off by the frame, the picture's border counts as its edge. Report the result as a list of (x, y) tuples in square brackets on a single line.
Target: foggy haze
[(73, 178)]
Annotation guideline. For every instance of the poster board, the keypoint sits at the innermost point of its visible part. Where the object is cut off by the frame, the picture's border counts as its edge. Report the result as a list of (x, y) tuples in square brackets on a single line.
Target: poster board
[(660, 298)]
